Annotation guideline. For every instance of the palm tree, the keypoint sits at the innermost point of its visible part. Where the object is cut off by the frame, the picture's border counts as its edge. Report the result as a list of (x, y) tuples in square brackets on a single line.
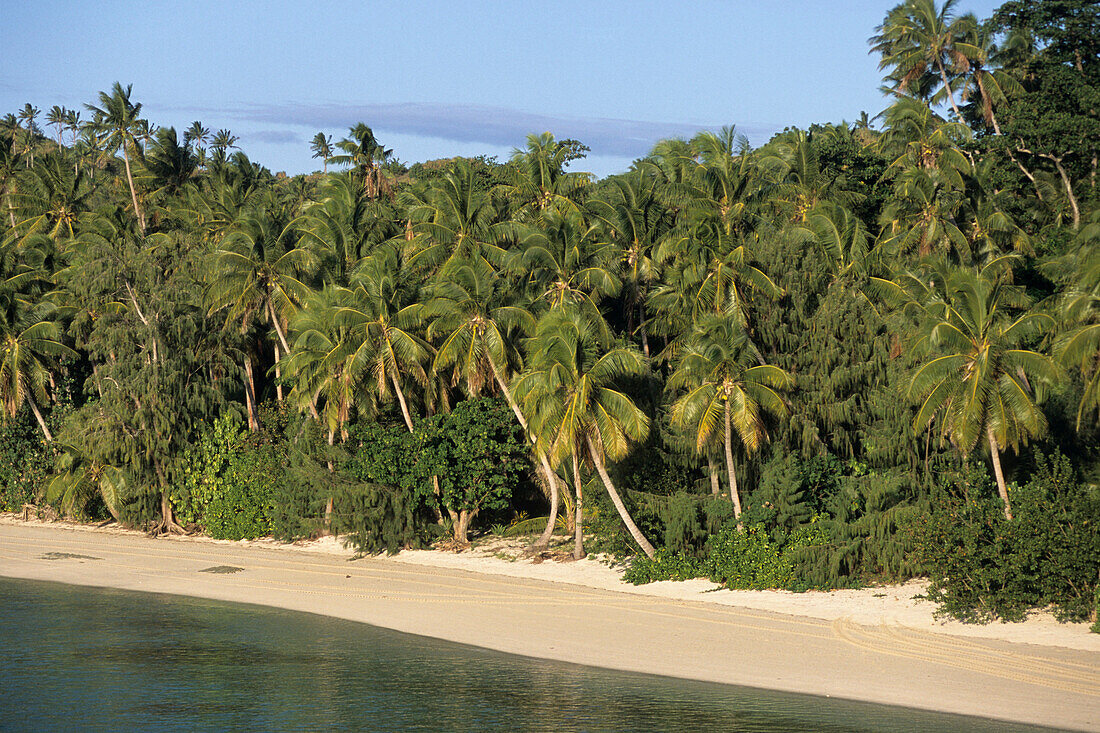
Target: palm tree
[(51, 199), (454, 220), (538, 179), (635, 219), (469, 311), (978, 375), (344, 226), (57, 117), (364, 153), (29, 340), (117, 119), (321, 145), (575, 410), (381, 319), (171, 164), (224, 141), (1078, 345), (255, 274), (917, 40), (726, 383)]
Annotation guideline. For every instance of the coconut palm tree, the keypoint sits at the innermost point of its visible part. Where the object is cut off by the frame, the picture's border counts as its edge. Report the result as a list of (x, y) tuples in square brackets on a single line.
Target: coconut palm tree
[(255, 275), (568, 391), (29, 348), (363, 153), (321, 145), (469, 312), (454, 220), (919, 41), (538, 179), (57, 117), (978, 375), (118, 121), (726, 388)]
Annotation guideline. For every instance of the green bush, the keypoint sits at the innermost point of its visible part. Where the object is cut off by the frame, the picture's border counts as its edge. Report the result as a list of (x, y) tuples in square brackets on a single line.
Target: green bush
[(228, 482), (665, 565), (743, 558), (984, 567), (25, 460)]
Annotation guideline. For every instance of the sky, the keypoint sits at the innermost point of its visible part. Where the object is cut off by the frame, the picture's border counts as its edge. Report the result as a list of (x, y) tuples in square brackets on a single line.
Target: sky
[(439, 78)]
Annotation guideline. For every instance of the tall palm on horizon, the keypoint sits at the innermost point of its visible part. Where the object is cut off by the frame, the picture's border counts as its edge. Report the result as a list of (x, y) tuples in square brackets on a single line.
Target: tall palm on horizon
[(118, 121), (919, 41)]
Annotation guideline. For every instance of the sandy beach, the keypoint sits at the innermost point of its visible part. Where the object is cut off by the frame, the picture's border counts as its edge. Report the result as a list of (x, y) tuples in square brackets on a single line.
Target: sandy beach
[(876, 644)]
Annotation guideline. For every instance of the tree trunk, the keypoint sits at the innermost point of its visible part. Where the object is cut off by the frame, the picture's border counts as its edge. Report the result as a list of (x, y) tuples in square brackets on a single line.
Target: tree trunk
[(1069, 190), (278, 326), (950, 94), (715, 484), (401, 399), (462, 526), (618, 502), (330, 505), (38, 417), (1002, 489), (133, 193), (278, 376), (578, 512), (548, 473), (734, 496), (250, 395)]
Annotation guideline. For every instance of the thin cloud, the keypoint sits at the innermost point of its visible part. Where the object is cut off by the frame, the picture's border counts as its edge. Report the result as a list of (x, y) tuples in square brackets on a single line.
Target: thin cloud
[(276, 137), (481, 124)]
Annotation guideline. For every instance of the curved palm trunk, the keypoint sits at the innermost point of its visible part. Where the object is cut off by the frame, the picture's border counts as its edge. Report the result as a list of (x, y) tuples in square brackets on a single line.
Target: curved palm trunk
[(404, 405), (734, 496), (950, 94), (548, 473), (578, 515), (38, 417), (618, 502), (133, 192), (1002, 489)]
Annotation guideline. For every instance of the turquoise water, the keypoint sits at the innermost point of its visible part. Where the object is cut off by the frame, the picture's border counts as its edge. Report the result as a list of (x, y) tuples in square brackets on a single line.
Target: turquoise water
[(89, 659)]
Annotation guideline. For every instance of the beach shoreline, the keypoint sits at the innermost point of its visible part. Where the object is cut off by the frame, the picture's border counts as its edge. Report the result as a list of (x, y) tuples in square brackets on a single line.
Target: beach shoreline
[(875, 644)]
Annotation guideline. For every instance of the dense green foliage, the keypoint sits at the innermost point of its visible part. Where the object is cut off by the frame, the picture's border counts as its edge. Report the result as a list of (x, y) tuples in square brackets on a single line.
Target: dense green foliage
[(781, 366), (985, 567)]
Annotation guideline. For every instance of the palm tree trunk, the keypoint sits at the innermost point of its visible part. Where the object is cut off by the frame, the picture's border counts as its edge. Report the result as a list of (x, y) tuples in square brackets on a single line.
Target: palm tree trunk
[(278, 326), (1002, 489), (548, 473), (401, 399), (715, 484), (38, 417), (734, 496), (950, 94), (578, 512), (618, 502), (278, 376), (250, 395), (133, 192)]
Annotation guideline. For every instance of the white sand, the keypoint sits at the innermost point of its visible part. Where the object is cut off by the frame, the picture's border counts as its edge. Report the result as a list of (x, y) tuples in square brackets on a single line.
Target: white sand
[(896, 605)]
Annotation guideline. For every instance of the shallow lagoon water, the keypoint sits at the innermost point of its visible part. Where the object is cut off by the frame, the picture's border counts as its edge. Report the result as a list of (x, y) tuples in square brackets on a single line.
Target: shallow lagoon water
[(92, 659)]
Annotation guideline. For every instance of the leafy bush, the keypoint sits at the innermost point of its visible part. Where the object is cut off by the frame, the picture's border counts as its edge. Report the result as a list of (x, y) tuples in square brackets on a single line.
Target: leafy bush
[(227, 483), (984, 567), (25, 460), (739, 558), (665, 565)]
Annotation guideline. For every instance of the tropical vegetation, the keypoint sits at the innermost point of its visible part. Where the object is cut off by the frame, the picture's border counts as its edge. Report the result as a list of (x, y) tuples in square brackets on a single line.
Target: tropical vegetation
[(858, 352)]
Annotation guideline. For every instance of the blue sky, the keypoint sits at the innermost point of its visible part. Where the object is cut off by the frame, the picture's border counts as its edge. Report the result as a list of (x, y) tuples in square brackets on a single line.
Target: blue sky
[(437, 78)]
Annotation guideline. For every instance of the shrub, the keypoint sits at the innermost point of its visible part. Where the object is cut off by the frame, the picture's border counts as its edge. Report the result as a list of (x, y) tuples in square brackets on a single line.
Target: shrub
[(665, 565), (984, 567), (25, 460)]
